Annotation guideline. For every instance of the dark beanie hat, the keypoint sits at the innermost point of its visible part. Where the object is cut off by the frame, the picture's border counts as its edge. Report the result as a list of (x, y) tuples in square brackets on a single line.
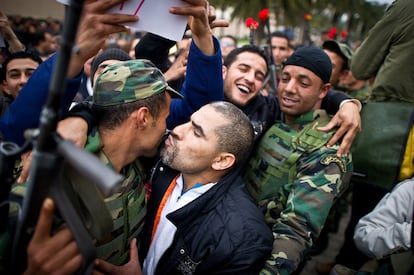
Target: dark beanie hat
[(313, 59), (108, 54)]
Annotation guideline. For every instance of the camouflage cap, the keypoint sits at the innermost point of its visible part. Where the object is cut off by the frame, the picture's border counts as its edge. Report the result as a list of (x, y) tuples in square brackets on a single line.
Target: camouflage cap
[(342, 49), (129, 81)]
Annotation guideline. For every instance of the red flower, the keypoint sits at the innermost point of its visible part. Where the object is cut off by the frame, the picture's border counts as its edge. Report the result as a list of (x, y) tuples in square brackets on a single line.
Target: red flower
[(263, 14), (251, 23), (307, 16), (332, 33)]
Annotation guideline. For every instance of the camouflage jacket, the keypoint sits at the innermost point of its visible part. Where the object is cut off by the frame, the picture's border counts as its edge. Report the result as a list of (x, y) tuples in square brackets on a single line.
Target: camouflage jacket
[(295, 179), (362, 94), (127, 207)]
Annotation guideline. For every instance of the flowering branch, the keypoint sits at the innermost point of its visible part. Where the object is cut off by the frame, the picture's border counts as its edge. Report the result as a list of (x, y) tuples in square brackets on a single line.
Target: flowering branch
[(252, 25), (264, 17)]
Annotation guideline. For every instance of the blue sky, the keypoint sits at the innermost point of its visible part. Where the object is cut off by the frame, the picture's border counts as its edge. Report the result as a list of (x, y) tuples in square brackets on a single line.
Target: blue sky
[(382, 1)]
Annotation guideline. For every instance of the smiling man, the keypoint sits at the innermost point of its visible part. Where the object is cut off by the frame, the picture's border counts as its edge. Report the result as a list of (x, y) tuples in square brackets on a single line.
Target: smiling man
[(293, 175), (244, 73), (16, 71)]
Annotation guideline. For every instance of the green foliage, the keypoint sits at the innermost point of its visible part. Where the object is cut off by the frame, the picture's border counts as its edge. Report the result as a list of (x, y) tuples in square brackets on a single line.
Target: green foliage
[(356, 16)]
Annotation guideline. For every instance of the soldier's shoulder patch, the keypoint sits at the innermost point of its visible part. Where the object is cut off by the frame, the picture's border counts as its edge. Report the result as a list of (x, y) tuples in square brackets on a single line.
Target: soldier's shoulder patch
[(332, 158)]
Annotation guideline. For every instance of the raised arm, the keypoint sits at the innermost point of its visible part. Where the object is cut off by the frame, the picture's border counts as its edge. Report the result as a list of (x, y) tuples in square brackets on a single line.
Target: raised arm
[(25, 110), (8, 34), (204, 78), (94, 27), (370, 56)]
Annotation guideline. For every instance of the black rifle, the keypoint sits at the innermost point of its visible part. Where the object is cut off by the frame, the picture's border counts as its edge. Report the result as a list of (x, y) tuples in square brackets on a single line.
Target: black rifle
[(60, 170), (271, 76)]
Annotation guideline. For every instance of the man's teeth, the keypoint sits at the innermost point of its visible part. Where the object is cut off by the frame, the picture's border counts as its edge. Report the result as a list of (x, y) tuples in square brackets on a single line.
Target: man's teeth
[(244, 89)]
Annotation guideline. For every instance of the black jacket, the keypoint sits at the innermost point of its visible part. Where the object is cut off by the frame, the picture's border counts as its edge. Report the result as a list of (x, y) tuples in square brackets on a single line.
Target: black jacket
[(5, 102), (220, 232)]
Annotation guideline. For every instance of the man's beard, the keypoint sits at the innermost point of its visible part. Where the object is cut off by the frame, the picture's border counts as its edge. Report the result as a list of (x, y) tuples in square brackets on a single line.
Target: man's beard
[(168, 155)]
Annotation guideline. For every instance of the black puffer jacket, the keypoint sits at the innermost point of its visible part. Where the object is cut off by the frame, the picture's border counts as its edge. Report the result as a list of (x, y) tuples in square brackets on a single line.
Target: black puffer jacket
[(221, 232)]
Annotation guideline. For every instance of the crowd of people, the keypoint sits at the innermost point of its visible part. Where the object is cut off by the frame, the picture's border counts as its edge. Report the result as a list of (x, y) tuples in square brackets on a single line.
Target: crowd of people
[(224, 172)]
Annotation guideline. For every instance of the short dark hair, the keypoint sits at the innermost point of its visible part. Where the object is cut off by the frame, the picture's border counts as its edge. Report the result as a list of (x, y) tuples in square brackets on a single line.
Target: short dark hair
[(238, 121), (231, 57), (18, 55), (280, 34), (38, 37), (109, 117)]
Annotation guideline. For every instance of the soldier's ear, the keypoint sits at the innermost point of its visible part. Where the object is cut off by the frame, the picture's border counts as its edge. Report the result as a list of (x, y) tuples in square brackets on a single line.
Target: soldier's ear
[(142, 117), (324, 90), (343, 75), (223, 161)]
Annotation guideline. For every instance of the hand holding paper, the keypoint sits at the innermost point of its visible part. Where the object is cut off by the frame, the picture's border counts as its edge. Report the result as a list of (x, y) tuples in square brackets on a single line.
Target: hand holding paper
[(154, 17)]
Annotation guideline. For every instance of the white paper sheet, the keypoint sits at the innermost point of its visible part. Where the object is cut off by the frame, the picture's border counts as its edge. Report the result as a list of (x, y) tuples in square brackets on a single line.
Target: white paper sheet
[(153, 16)]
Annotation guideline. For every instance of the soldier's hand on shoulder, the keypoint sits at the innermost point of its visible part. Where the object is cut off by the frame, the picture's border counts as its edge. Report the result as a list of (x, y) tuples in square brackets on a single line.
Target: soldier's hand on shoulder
[(348, 119)]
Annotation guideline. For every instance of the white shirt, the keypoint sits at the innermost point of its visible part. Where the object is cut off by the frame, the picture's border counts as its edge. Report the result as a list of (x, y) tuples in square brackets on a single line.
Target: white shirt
[(165, 231)]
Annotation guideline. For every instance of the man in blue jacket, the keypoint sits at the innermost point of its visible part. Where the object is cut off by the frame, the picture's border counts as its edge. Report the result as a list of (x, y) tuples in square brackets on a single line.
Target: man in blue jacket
[(94, 28)]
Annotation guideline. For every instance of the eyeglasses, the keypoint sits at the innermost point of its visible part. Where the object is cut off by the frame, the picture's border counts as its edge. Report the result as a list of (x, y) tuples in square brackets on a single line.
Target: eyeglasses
[(227, 43)]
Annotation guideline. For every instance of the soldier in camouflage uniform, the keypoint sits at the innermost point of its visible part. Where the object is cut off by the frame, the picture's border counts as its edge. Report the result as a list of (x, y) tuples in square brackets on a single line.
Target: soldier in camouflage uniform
[(359, 89), (294, 177), (125, 89), (342, 78), (340, 55), (132, 102)]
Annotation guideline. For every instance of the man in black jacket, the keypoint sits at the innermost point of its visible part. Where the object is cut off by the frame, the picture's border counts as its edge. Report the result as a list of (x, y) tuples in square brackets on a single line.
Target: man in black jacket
[(200, 219)]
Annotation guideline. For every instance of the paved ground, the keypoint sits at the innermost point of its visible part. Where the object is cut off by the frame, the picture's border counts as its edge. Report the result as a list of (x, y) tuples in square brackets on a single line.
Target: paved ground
[(335, 243)]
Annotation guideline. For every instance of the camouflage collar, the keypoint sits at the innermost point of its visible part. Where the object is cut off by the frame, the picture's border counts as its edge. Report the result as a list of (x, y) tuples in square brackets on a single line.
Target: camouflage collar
[(310, 116)]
